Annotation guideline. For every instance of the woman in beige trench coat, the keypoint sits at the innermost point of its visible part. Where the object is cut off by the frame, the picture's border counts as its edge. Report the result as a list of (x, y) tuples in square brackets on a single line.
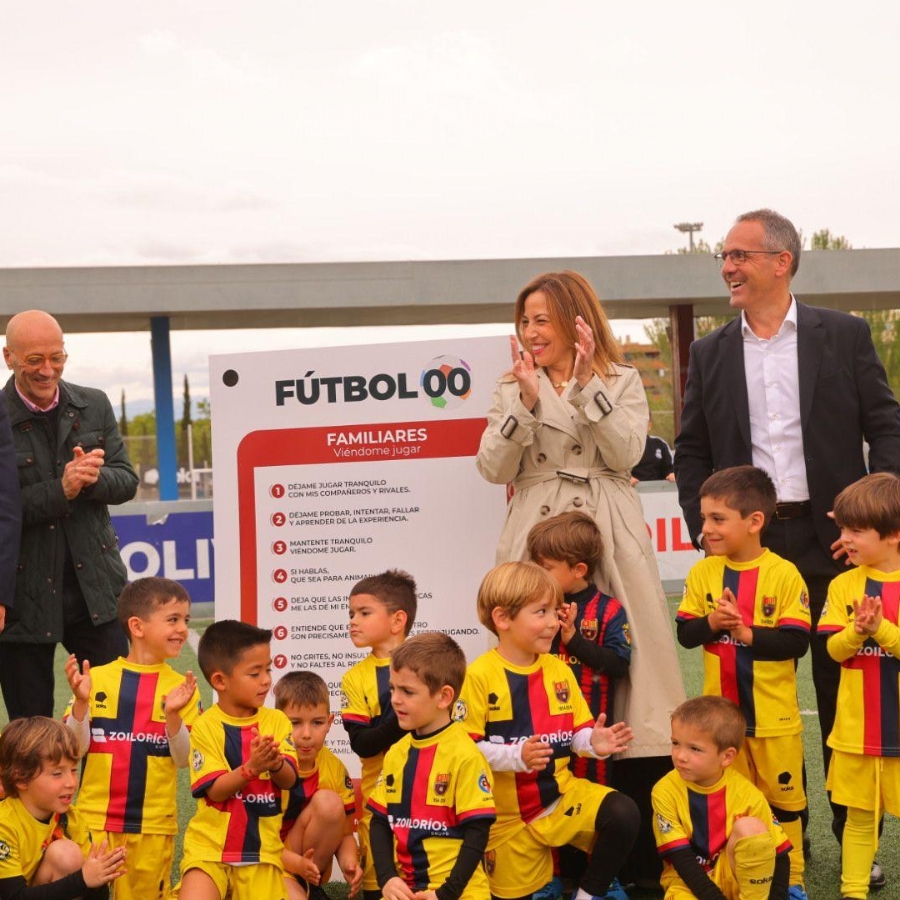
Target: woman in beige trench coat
[(566, 426)]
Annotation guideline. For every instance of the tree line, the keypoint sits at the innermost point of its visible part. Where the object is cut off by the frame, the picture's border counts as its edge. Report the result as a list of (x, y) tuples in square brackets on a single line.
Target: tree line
[(139, 433)]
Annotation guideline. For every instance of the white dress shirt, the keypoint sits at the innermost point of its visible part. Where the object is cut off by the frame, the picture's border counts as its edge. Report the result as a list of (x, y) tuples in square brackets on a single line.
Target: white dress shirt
[(773, 395)]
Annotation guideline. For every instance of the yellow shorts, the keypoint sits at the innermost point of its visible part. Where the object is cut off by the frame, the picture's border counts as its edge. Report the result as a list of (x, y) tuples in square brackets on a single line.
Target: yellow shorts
[(370, 878), (148, 861), (775, 766), (865, 782), (523, 863), (250, 882)]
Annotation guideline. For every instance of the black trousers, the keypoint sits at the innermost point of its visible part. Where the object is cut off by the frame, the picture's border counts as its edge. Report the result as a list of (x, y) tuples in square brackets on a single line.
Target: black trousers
[(26, 670), (796, 540)]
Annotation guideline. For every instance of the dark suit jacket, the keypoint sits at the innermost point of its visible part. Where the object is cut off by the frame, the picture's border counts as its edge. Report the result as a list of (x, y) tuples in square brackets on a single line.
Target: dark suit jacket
[(844, 399), (10, 510)]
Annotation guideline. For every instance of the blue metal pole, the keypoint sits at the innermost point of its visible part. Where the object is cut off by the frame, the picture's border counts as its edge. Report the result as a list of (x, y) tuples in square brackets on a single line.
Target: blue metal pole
[(165, 408)]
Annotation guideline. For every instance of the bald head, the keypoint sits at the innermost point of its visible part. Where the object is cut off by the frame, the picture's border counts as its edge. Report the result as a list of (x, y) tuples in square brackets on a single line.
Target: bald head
[(31, 325), (34, 351)]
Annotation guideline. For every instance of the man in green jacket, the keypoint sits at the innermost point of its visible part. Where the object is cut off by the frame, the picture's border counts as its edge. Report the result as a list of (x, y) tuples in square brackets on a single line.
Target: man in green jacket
[(72, 463)]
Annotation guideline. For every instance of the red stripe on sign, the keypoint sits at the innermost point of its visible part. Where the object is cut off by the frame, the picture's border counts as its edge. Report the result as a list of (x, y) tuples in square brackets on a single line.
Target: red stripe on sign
[(315, 446)]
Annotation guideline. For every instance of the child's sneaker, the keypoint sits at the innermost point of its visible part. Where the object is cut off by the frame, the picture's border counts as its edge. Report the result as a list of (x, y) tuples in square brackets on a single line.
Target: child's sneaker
[(552, 890), (616, 891)]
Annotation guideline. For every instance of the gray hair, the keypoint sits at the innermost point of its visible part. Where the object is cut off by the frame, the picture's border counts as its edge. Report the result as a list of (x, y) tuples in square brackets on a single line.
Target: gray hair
[(780, 233)]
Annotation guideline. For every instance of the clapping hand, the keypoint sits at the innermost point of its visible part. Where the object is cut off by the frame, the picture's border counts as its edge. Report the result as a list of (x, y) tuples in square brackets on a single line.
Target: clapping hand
[(868, 614), (525, 374), (606, 741), (584, 352)]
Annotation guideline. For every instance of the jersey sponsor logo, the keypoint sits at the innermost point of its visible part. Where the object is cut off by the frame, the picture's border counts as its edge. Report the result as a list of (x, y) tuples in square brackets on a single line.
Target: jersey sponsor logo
[(345, 701), (490, 862), (590, 628), (626, 632), (460, 710), (561, 689), (436, 826), (441, 783), (663, 824), (483, 784), (196, 760), (100, 736), (348, 782), (804, 601), (866, 650), (728, 639), (550, 737), (768, 606), (255, 798), (5, 851), (100, 699)]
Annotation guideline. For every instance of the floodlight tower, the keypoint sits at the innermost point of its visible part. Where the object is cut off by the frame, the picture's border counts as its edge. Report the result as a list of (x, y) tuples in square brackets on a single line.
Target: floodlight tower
[(689, 228)]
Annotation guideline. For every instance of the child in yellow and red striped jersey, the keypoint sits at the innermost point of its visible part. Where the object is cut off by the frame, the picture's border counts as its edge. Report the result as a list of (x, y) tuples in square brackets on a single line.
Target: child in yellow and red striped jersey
[(318, 818), (132, 718), (382, 613), (749, 610), (861, 621), (714, 829)]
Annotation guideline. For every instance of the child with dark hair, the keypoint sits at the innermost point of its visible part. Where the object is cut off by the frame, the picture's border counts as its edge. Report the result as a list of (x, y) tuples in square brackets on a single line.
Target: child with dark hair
[(132, 718), (749, 611), (242, 758), (382, 613), (861, 621)]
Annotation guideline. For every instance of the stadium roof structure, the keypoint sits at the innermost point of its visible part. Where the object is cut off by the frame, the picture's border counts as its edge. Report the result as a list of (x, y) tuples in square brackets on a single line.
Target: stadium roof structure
[(349, 294)]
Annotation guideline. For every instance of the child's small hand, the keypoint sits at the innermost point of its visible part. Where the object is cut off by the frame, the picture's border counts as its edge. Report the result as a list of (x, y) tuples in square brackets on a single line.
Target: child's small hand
[(726, 615), (264, 753), (536, 754), (180, 696), (567, 613), (353, 875), (606, 741), (103, 866), (868, 614), (397, 889), (307, 868), (79, 679)]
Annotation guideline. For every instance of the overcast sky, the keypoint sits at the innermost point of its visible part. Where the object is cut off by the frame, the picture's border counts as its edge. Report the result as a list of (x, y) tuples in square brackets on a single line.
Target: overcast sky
[(298, 131)]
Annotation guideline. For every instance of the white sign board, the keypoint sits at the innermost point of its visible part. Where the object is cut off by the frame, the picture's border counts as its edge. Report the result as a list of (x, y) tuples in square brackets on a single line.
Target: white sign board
[(335, 464), (669, 536)]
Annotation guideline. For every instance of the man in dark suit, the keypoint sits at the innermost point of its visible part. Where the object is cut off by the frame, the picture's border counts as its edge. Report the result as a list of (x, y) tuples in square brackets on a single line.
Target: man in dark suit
[(794, 390), (10, 515)]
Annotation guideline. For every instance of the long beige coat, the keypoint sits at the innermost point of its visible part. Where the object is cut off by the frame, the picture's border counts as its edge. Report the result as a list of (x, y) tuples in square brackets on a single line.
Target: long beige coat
[(593, 436)]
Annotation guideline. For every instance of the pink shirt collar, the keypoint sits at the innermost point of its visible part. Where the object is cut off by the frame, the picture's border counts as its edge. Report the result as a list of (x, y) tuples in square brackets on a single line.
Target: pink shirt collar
[(33, 406)]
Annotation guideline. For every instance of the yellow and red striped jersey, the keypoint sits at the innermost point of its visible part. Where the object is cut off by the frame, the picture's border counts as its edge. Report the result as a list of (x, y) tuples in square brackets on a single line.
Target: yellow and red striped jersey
[(365, 696), (129, 777), (700, 819), (868, 706), (429, 789), (501, 703), (770, 593), (246, 827)]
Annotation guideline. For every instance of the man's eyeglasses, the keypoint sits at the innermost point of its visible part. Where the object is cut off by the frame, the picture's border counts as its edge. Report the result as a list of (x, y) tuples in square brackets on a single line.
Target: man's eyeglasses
[(36, 361), (740, 256)]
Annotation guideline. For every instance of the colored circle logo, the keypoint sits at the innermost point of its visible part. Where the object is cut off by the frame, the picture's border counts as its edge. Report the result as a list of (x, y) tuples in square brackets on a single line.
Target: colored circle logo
[(446, 381)]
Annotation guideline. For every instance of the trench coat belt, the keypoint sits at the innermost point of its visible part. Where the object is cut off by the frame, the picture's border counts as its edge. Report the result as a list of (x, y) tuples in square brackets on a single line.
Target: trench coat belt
[(573, 474)]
